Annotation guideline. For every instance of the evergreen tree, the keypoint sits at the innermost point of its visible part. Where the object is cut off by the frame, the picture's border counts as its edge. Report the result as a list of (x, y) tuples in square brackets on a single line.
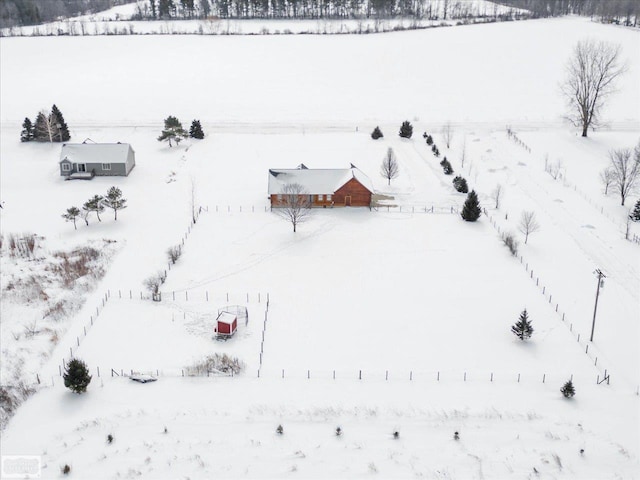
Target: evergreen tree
[(71, 214), (635, 215), (95, 204), (435, 150), (471, 210), (460, 184), (567, 389), (43, 130), (172, 131), (27, 131), (76, 376), (377, 133), (114, 201), (446, 166), (429, 140), (60, 126), (406, 129), (196, 130), (522, 328)]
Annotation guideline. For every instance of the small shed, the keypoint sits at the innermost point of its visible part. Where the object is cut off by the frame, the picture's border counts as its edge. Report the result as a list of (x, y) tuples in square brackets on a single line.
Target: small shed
[(226, 324)]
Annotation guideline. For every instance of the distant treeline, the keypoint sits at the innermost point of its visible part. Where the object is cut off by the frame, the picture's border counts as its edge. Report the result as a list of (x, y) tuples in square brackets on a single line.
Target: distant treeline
[(623, 12), (315, 9), (34, 12)]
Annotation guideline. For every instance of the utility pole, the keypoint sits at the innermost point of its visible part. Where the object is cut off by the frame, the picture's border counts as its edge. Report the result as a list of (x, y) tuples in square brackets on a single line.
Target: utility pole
[(600, 275)]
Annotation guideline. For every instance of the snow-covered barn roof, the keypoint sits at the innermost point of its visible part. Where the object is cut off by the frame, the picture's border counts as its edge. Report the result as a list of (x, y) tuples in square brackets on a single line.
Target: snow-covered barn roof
[(226, 318), (95, 152), (316, 181)]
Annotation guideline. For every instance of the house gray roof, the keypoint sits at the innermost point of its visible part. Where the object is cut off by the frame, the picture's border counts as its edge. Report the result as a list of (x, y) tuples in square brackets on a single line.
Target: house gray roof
[(95, 152), (316, 181)]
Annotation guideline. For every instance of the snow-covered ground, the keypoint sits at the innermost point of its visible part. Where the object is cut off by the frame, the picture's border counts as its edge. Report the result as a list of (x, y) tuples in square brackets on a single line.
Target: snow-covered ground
[(424, 298)]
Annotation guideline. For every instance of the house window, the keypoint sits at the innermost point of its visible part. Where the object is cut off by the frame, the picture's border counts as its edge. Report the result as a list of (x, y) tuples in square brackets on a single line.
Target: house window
[(106, 166), (66, 167), (320, 198), (82, 167), (328, 198)]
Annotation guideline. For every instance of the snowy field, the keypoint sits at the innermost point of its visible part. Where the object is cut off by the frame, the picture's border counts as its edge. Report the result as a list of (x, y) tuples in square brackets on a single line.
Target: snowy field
[(354, 291)]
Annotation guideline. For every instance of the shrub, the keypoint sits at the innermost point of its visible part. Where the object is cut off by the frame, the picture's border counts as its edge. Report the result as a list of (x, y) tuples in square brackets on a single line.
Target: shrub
[(635, 214), (377, 133), (406, 129), (174, 253), (567, 389), (460, 184), (216, 363), (446, 167), (511, 243), (66, 469)]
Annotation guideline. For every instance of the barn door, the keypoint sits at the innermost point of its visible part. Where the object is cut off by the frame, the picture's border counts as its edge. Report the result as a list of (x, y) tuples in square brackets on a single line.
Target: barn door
[(347, 201)]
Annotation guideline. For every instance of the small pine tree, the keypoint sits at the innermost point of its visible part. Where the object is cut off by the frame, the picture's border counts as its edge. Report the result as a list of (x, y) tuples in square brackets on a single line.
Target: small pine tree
[(338, 431), (522, 328), (568, 390), (71, 215), (114, 201), (471, 209), (635, 214), (446, 166), (435, 150), (60, 126), (377, 133), (429, 140), (279, 430), (196, 130), (172, 131), (460, 184), (95, 204), (76, 376), (406, 129), (26, 135)]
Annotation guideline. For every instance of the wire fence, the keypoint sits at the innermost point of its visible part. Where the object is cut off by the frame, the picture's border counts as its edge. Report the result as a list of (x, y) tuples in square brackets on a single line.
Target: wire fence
[(359, 375)]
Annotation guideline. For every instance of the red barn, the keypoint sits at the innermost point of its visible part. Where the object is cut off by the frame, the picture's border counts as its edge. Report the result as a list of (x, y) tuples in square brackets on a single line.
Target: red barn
[(326, 187), (226, 324)]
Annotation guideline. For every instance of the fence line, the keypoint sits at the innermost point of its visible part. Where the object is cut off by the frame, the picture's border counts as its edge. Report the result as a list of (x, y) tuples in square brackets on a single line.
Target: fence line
[(544, 291), (362, 375)]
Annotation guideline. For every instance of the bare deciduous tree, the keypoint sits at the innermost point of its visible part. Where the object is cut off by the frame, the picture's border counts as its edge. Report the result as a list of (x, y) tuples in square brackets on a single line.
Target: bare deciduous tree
[(607, 178), (389, 168), (625, 167), (463, 153), (447, 133), (591, 73), (497, 195), (294, 204), (174, 253), (528, 224)]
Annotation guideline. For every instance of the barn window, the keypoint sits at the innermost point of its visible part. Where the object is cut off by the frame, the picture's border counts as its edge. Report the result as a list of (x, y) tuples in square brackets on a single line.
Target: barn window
[(328, 198), (66, 167), (106, 166), (320, 198)]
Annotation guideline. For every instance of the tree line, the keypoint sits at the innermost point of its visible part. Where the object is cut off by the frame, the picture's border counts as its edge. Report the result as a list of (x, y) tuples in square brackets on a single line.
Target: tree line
[(624, 12), (15, 13)]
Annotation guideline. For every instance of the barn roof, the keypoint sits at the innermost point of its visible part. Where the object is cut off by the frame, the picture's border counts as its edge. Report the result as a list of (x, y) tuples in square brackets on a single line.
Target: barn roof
[(227, 318), (95, 152), (316, 181)]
